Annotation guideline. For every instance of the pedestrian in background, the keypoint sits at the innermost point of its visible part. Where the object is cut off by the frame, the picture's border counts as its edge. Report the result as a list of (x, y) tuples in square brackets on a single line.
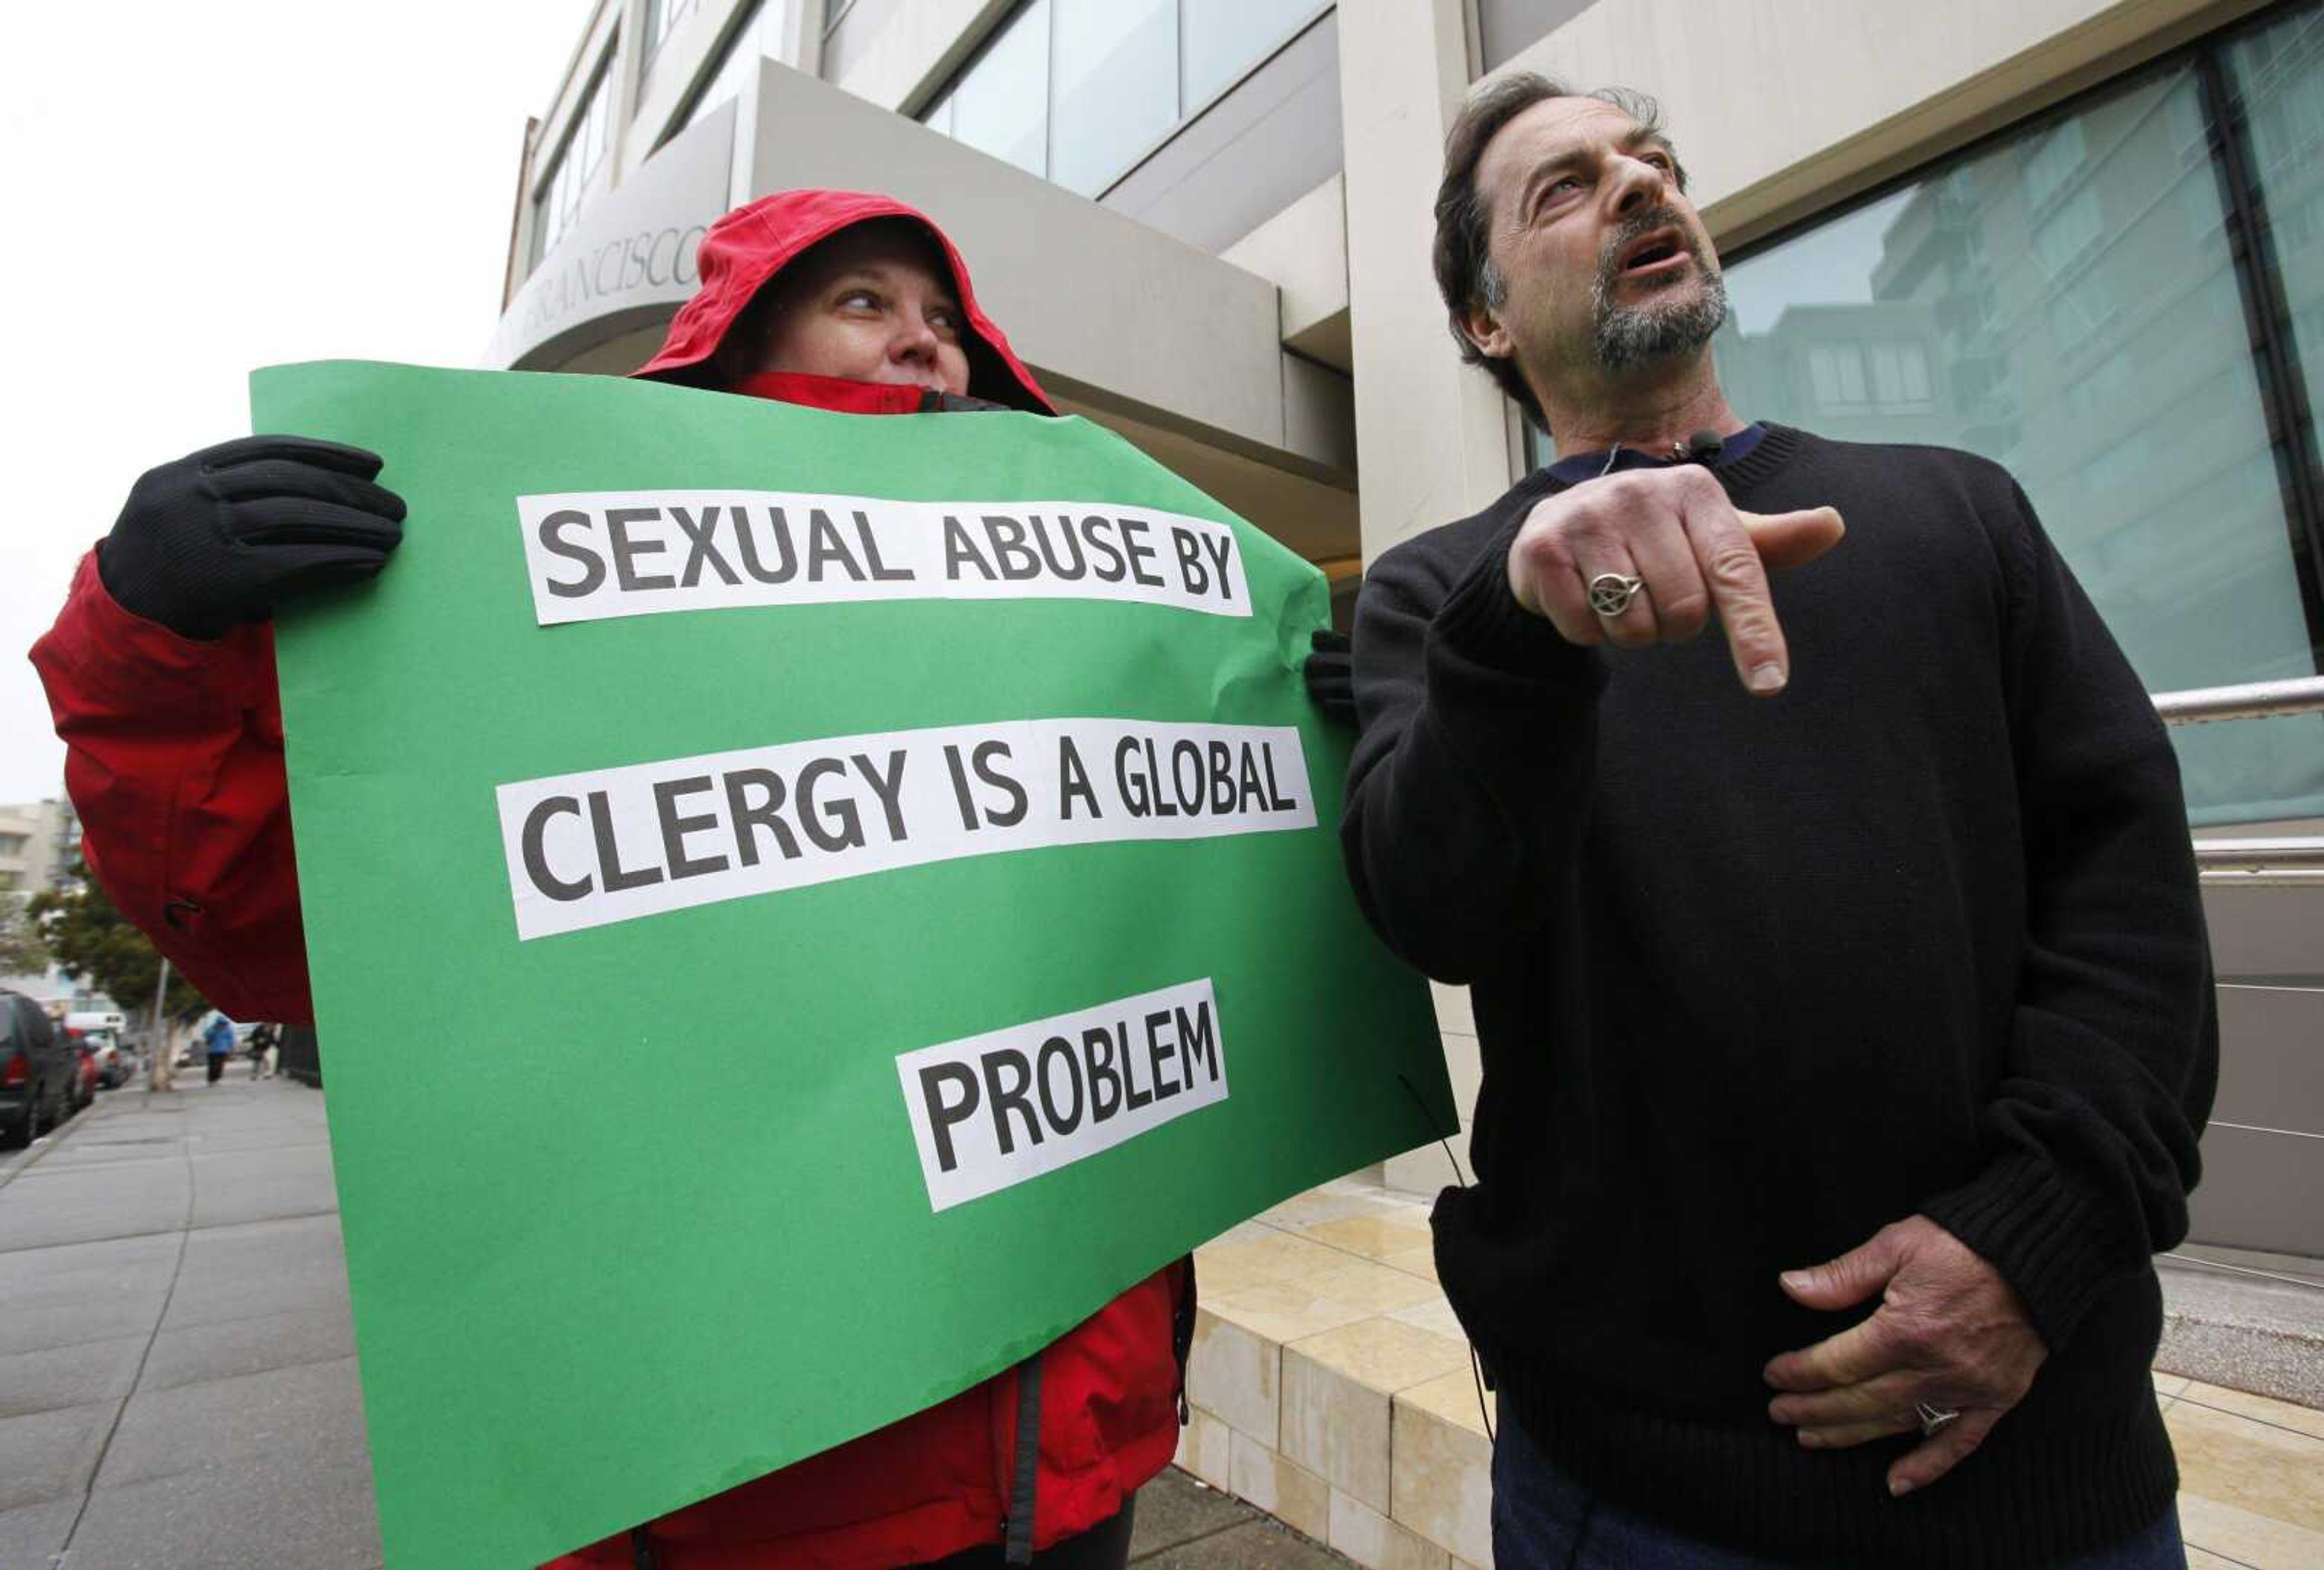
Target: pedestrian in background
[(262, 1051), (217, 1042)]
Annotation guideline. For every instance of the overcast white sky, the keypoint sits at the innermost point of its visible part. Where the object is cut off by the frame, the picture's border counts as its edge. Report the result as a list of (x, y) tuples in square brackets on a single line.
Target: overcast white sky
[(190, 191)]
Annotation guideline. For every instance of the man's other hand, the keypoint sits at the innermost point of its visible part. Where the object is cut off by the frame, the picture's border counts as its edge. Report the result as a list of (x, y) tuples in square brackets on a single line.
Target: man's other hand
[(1675, 531), (1948, 1332), (221, 535), (1330, 676)]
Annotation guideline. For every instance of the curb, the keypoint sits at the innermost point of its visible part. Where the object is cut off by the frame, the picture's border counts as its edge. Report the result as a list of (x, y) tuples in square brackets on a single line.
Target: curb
[(50, 1142)]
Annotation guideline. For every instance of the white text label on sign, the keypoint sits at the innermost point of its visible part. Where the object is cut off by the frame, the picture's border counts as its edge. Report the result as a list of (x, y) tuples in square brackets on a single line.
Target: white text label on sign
[(598, 554), (614, 845), (993, 1110)]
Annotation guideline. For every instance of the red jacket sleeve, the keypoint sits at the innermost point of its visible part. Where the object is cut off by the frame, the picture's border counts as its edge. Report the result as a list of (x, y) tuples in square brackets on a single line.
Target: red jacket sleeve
[(175, 766)]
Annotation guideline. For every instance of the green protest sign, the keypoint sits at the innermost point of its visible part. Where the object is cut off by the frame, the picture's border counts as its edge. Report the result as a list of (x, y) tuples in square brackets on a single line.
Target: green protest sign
[(803, 909)]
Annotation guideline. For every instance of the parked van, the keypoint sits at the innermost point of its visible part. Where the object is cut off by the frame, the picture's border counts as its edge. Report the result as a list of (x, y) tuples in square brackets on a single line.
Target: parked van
[(37, 1070)]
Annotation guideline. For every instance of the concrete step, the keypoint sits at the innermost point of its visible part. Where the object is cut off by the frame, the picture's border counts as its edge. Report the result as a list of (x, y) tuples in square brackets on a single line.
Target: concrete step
[(1331, 1386), (2250, 1322)]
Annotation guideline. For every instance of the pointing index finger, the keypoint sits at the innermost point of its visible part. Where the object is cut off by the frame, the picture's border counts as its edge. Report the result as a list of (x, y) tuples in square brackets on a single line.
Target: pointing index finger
[(1737, 583)]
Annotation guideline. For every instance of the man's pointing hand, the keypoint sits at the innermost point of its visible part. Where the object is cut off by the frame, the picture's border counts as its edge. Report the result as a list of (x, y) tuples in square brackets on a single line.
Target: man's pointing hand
[(1676, 532)]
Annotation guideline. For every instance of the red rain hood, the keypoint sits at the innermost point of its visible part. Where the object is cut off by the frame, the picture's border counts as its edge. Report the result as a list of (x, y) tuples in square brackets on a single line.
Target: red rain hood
[(756, 241)]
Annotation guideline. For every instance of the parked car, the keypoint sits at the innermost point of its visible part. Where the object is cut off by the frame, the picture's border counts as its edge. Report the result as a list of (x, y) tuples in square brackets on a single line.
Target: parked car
[(38, 1070), (114, 1063), (97, 1019), (85, 1075)]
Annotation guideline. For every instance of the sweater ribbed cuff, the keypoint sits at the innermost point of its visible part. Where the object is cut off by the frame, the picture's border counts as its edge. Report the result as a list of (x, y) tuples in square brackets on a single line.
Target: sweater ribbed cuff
[(2022, 1216), (1482, 620)]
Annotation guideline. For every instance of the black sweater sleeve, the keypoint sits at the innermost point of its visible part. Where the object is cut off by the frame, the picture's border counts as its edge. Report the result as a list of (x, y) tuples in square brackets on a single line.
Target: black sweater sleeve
[(2089, 1137), (1466, 789)]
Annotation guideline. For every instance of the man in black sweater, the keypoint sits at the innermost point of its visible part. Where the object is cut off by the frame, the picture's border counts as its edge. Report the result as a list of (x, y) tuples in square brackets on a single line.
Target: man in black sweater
[(1846, 1014)]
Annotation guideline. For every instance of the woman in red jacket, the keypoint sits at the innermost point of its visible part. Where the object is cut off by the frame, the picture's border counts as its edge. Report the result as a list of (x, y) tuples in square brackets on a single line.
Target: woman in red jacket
[(161, 672)]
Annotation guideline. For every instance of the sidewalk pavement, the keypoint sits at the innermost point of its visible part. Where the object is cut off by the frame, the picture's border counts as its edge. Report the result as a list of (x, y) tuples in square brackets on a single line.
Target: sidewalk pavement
[(177, 1363)]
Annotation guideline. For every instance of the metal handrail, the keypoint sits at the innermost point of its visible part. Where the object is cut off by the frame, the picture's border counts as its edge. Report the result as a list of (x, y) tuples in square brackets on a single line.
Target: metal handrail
[(2276, 862), (2262, 860), (2253, 700)]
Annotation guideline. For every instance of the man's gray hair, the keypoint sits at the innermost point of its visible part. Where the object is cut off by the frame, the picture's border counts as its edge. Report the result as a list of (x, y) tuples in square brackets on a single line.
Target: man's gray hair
[(1465, 274)]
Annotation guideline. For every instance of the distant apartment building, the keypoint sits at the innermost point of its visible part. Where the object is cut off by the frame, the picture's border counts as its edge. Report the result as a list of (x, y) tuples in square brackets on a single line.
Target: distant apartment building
[(2080, 237), (38, 843)]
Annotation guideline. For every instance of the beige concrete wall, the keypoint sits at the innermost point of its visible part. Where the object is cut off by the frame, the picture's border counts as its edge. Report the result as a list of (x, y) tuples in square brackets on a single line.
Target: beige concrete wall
[(1302, 251), (1785, 108), (1431, 435)]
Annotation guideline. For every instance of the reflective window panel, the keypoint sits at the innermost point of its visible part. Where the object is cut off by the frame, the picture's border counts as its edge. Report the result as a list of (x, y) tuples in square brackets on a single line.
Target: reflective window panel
[(1001, 103), (1222, 38), (1114, 89), (2065, 303), (764, 34)]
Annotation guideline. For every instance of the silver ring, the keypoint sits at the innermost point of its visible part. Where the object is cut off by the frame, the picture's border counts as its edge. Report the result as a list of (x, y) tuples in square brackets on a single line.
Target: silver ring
[(1932, 1419), (1611, 593)]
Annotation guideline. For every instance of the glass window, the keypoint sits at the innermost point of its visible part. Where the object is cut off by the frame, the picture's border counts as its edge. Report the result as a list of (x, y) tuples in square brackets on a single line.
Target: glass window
[(762, 34), (1001, 104), (2278, 74), (2062, 302), (2051, 162), (1218, 40), (1080, 90), (558, 201), (2061, 239), (1115, 87), (662, 17)]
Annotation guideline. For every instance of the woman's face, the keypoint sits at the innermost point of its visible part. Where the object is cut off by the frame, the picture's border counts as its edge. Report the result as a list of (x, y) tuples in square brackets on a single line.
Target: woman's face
[(872, 303)]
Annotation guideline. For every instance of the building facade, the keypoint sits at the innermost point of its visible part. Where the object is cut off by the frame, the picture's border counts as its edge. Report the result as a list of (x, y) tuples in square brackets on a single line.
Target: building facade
[(39, 842), (2075, 235)]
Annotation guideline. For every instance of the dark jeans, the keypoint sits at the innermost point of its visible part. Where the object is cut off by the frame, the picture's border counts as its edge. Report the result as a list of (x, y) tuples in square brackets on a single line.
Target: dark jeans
[(1104, 1547), (1545, 1520), (218, 1067)]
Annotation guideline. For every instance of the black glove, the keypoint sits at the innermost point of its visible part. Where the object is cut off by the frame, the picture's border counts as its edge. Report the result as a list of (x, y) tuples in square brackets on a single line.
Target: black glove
[(1330, 676), (220, 535)]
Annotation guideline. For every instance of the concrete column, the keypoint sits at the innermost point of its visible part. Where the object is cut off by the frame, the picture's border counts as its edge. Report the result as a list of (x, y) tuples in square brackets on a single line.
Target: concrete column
[(1431, 436)]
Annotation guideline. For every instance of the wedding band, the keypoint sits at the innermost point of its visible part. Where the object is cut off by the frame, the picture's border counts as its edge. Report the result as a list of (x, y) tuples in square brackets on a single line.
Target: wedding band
[(1611, 593), (1933, 1418)]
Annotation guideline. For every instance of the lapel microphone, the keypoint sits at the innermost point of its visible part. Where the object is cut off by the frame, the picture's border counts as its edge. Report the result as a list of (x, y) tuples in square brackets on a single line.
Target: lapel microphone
[(1702, 447)]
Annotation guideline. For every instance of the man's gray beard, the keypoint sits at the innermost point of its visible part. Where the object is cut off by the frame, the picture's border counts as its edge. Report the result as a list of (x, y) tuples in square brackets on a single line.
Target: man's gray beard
[(1678, 321)]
